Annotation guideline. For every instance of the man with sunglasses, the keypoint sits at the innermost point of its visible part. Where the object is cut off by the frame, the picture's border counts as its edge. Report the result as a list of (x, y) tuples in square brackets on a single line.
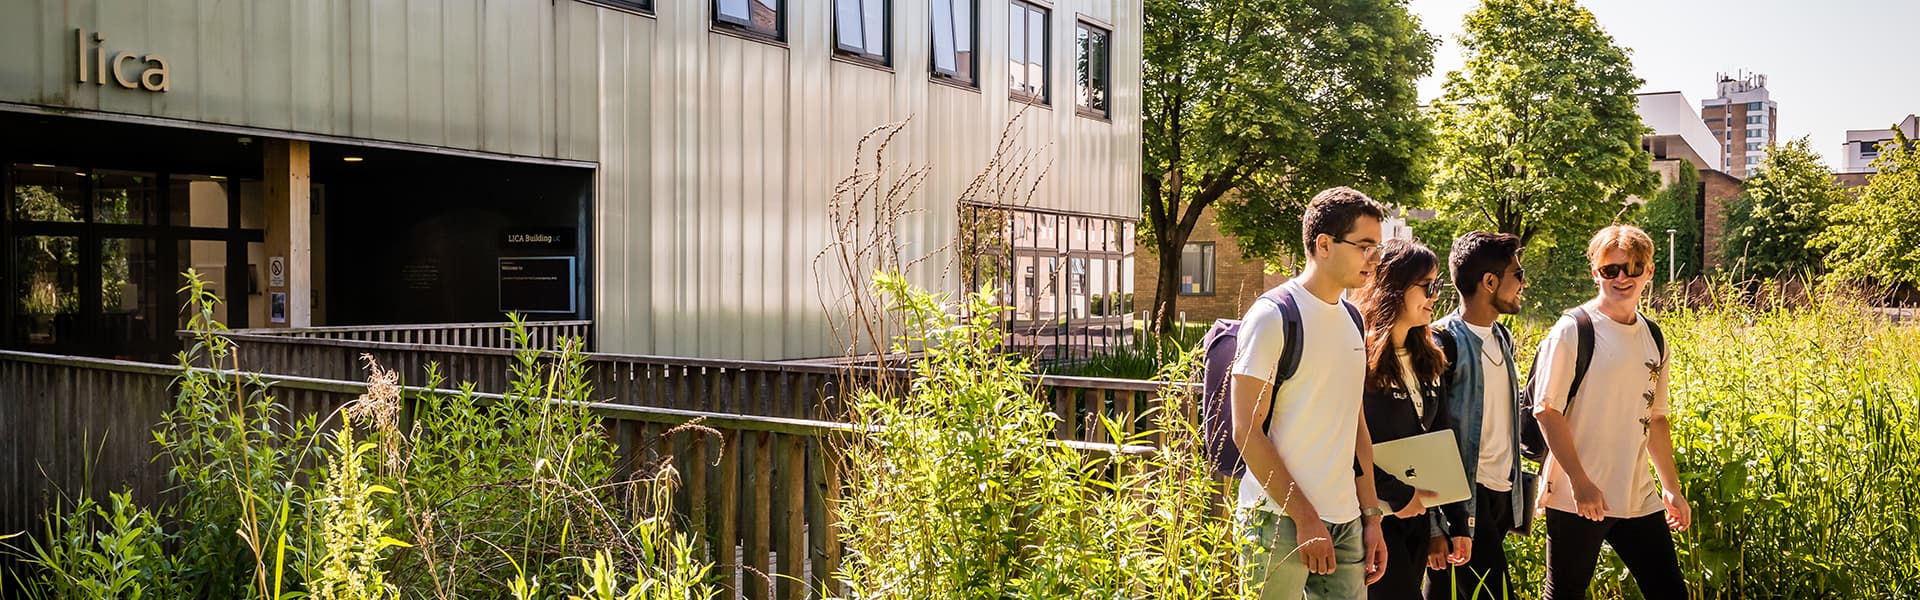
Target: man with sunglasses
[(1469, 560), (1604, 426)]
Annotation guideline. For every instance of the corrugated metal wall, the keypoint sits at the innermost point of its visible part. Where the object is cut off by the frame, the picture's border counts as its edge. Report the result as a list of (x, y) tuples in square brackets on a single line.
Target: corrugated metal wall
[(468, 74), (718, 155), (748, 139)]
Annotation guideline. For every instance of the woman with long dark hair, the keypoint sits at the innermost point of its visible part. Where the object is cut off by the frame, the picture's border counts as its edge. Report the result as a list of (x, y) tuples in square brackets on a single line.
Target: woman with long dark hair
[(1403, 398)]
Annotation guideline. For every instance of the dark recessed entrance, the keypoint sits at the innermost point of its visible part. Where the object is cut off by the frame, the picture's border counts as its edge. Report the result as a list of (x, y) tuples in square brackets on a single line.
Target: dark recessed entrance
[(100, 219)]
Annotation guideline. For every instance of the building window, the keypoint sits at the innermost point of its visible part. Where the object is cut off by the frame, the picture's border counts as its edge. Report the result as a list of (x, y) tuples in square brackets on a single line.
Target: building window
[(1093, 67), (1753, 106), (1753, 146), (953, 40), (1027, 51), (1196, 269), (758, 17), (1756, 119), (860, 29), (640, 6), (1754, 133), (1869, 149), (1753, 160)]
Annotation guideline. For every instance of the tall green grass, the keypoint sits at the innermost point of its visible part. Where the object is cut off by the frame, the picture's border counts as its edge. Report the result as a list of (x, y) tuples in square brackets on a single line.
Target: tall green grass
[(1797, 435)]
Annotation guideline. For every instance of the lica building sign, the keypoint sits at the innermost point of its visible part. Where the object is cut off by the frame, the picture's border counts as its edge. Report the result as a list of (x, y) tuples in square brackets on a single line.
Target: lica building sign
[(127, 69)]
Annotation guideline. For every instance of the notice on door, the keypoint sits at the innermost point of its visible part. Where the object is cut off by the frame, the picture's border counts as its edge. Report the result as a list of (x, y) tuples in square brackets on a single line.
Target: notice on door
[(537, 284)]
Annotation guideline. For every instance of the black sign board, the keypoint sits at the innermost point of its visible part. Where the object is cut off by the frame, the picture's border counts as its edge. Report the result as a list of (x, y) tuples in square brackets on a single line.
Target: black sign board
[(538, 238), (537, 284)]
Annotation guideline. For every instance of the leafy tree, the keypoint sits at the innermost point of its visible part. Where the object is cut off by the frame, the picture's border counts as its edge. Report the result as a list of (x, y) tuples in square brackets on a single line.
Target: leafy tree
[(1676, 207), (1877, 236), (1771, 226), (1540, 131), (1273, 100)]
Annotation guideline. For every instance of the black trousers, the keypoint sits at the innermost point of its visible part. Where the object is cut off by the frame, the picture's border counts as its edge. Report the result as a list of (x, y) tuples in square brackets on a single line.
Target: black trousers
[(1573, 549), (1485, 574), (1407, 541)]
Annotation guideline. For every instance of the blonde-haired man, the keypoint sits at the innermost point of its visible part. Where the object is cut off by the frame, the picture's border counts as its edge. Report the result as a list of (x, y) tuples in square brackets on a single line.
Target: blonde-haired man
[(1603, 425)]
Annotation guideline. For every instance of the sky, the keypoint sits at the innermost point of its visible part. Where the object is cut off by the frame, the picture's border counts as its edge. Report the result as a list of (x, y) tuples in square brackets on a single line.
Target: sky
[(1832, 65)]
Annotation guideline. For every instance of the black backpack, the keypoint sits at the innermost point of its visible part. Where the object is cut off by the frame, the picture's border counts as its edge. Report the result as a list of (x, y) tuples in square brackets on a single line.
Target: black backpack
[(1221, 351), (1533, 444)]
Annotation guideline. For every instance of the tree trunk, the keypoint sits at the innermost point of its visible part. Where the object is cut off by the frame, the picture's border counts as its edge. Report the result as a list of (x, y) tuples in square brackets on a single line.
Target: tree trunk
[(1166, 293)]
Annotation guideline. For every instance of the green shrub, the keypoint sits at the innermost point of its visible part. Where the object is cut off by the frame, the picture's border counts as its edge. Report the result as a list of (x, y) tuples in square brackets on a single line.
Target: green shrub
[(955, 488)]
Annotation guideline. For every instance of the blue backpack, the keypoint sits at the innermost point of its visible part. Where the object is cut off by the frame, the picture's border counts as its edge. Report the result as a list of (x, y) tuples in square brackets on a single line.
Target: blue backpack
[(1222, 346)]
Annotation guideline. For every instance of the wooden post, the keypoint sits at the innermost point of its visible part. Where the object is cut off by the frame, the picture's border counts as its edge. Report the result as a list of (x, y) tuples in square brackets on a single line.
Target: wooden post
[(289, 243)]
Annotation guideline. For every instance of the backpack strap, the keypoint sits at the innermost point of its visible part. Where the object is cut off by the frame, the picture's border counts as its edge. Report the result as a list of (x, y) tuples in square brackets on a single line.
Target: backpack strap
[(1583, 358), (1292, 338), (1659, 338), (1354, 312)]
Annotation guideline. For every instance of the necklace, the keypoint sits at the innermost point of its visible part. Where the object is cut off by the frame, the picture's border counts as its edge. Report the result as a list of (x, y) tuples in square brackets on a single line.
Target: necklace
[(1498, 358)]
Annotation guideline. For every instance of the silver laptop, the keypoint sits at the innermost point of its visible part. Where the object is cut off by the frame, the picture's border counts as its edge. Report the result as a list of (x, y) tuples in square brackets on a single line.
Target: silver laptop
[(1429, 461)]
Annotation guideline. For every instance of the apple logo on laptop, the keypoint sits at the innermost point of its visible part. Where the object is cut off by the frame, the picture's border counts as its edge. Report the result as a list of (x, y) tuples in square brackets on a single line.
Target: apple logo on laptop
[(1410, 474)]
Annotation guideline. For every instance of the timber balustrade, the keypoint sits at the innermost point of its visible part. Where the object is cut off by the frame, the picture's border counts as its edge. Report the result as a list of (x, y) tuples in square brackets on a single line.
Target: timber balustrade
[(755, 493)]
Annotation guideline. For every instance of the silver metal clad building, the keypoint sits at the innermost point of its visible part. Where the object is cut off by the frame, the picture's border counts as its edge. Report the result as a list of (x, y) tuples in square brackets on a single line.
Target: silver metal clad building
[(661, 168)]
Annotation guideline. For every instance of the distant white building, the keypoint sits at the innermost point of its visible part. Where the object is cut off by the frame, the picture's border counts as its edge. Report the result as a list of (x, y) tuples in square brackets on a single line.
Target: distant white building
[(1863, 145), (1678, 132)]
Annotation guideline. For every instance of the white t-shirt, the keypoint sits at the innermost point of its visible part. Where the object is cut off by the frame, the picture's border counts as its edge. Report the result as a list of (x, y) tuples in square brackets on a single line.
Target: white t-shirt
[(1625, 387), (1316, 414), (1410, 382), (1496, 417)]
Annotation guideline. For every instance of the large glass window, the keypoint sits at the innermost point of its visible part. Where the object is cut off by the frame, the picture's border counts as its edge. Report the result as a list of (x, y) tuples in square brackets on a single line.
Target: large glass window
[(1196, 269), (953, 40), (1070, 278), (1092, 68), (759, 17), (95, 257), (1027, 51), (860, 29)]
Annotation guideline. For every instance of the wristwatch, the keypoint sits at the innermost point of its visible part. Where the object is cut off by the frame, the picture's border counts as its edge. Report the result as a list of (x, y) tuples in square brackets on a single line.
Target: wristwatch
[(1372, 511)]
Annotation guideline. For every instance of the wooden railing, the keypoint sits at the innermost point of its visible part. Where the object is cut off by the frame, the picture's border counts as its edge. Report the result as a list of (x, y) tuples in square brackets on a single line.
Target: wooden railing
[(542, 334), (756, 497), (753, 496), (772, 389)]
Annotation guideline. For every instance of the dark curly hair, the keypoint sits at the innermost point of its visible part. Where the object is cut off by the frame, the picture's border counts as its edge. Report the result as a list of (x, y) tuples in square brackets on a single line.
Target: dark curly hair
[(1478, 253)]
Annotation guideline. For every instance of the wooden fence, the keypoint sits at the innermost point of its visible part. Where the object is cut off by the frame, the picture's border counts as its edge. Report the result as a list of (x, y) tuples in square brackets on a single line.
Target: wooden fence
[(771, 389), (542, 334), (755, 496)]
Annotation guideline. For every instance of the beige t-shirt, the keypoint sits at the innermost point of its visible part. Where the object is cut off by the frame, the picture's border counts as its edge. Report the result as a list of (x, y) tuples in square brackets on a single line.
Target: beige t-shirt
[(1625, 387)]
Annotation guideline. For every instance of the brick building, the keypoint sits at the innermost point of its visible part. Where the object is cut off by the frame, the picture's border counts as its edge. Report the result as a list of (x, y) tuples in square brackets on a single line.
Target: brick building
[(1217, 280), (1745, 119)]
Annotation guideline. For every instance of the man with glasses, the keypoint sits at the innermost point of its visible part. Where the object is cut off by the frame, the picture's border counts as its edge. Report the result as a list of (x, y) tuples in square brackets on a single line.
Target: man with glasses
[(1604, 426), (1468, 561), (1307, 506)]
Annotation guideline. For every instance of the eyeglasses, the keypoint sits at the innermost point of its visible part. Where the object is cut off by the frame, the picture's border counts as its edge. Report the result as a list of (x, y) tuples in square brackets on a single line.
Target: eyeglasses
[(1613, 271), (1366, 250)]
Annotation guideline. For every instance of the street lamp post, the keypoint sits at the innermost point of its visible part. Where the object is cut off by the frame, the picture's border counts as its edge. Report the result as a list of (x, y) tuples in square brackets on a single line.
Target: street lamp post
[(1670, 273)]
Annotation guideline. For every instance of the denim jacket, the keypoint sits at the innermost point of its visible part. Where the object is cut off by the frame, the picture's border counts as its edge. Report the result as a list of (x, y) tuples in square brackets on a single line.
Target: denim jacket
[(1466, 406)]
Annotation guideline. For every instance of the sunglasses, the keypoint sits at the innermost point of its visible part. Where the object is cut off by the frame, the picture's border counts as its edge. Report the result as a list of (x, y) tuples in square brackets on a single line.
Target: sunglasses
[(1613, 271), (1434, 287)]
